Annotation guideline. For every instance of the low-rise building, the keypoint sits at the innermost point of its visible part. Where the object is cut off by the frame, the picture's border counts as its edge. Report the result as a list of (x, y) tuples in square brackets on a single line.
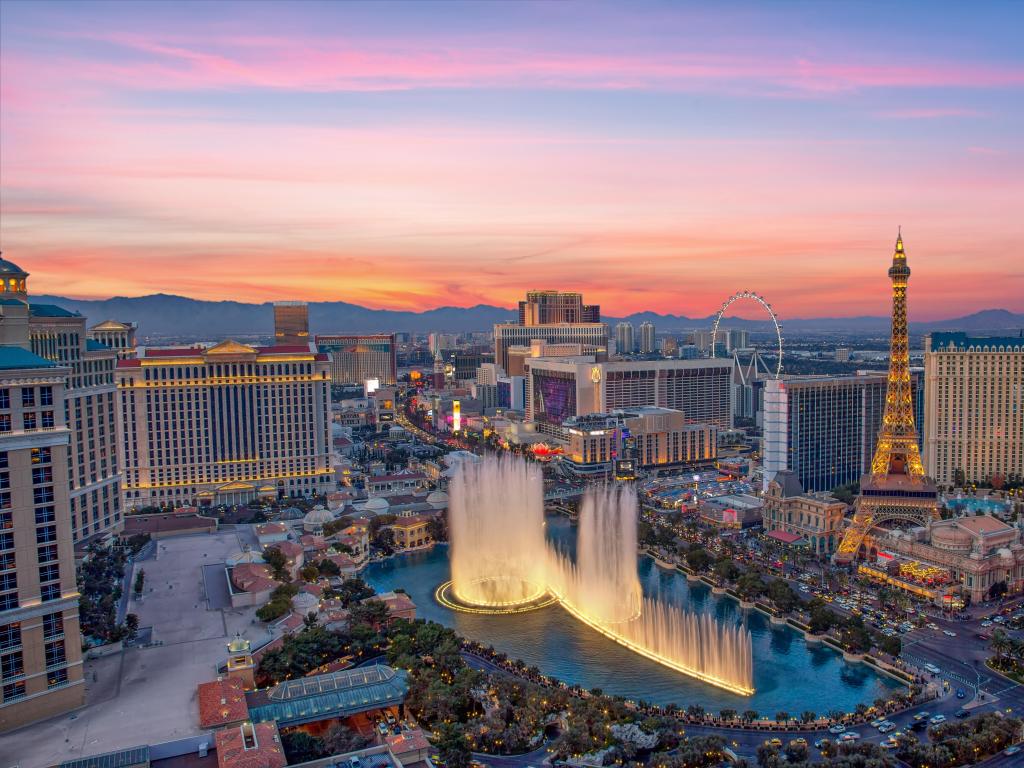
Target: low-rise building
[(411, 532), (981, 553), (817, 517)]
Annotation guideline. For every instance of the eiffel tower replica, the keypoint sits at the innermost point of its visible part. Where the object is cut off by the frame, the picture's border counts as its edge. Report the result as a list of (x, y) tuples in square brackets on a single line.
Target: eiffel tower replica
[(896, 490)]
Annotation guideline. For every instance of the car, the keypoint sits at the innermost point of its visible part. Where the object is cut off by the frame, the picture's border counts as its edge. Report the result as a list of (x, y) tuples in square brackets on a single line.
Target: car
[(886, 727), (776, 742), (876, 723), (390, 718), (932, 625), (820, 743), (937, 720), (1011, 751), (799, 740), (961, 714), (960, 693), (918, 726), (922, 715), (850, 736), (837, 728), (999, 619), (932, 668), (949, 633), (986, 623), (355, 762)]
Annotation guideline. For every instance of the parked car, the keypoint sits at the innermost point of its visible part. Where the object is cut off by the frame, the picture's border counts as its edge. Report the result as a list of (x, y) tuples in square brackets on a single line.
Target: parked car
[(837, 728)]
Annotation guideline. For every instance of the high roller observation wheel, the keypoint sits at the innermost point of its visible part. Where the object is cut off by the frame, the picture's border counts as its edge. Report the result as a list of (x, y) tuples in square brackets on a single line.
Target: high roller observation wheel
[(739, 296)]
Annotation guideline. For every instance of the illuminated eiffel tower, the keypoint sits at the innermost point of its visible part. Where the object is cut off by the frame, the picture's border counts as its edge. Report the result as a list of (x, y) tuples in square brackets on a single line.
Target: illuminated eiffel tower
[(896, 489)]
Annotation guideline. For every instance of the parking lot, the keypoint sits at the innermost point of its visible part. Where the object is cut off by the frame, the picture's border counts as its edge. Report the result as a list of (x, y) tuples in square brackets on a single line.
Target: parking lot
[(148, 695)]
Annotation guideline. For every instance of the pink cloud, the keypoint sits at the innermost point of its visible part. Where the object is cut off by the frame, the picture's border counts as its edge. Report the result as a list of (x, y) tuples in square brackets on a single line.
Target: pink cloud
[(929, 113)]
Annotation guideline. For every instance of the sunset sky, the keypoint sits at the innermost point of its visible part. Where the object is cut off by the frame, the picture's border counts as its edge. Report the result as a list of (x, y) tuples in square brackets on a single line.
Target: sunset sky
[(654, 156)]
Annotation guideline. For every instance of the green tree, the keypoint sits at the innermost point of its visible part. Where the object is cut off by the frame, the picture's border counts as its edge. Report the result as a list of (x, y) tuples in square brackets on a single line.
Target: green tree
[(278, 563), (452, 747), (300, 747), (310, 573), (131, 626), (697, 558), (140, 581)]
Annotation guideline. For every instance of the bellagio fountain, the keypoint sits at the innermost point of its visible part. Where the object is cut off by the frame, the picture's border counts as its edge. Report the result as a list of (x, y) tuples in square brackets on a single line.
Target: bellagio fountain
[(502, 563)]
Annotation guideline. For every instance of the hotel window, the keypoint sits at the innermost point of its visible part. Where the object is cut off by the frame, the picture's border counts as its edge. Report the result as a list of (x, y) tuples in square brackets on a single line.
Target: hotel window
[(55, 654), (28, 397), (46, 395), (5, 398), (14, 691), (10, 636), (57, 678), (50, 592), (12, 665)]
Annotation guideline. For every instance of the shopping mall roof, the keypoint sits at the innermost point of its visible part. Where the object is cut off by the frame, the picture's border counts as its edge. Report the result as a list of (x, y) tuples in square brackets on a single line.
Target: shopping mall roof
[(336, 694)]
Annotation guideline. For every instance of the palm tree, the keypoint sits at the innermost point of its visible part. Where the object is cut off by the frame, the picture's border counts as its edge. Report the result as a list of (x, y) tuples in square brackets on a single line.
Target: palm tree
[(782, 717), (808, 717), (749, 715), (728, 714)]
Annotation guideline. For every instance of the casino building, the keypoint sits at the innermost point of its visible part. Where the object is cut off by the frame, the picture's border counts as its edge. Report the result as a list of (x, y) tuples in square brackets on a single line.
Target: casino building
[(224, 424)]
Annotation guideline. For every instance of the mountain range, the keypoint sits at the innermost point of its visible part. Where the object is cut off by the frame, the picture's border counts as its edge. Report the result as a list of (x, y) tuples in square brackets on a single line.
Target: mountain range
[(164, 315)]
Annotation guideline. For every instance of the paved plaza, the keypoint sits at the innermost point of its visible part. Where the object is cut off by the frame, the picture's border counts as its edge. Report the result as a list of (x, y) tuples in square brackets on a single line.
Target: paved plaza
[(148, 695)]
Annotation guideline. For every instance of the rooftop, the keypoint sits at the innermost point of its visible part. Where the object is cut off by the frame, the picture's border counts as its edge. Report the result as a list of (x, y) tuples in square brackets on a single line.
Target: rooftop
[(121, 758), (222, 702), (12, 358), (51, 310), (983, 524), (250, 746), (336, 694), (959, 341)]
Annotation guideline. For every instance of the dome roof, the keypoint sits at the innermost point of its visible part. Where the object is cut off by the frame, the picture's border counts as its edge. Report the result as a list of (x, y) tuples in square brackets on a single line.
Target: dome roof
[(377, 503), (244, 556), (951, 537), (318, 516), (10, 268), (305, 602), (437, 499)]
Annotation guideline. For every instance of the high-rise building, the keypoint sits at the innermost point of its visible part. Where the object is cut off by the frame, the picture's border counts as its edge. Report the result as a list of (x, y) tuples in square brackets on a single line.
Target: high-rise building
[(356, 358), (974, 408), (593, 335), (224, 425), (823, 428), (625, 343), (727, 339), (90, 407), (842, 354), (291, 323), (896, 490), (558, 388), (40, 641), (670, 346), (119, 336), (647, 338), (551, 307)]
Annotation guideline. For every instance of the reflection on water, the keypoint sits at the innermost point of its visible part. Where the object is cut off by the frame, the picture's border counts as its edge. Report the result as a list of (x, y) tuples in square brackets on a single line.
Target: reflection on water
[(789, 674)]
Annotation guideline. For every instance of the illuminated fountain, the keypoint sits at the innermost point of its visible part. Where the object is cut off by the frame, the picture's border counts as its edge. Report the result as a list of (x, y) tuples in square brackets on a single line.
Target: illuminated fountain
[(602, 590), (496, 520), (501, 563)]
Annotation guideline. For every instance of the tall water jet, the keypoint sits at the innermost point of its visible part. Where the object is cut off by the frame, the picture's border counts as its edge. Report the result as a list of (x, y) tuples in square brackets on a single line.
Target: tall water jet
[(602, 589), (496, 522)]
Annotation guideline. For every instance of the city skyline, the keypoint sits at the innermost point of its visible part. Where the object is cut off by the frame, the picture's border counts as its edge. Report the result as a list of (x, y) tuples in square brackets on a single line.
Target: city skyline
[(409, 156)]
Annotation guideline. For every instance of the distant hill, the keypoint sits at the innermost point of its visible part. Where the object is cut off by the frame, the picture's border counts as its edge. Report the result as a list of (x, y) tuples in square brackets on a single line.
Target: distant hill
[(165, 315)]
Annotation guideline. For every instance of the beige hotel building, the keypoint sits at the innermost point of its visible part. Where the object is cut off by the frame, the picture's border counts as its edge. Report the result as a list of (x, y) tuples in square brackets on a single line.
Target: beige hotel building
[(40, 644), (224, 425), (974, 408)]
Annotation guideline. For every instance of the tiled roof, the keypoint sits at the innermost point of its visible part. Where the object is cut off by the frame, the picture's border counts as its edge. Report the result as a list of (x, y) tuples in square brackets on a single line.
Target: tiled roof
[(266, 752), (983, 524), (222, 702), (407, 741)]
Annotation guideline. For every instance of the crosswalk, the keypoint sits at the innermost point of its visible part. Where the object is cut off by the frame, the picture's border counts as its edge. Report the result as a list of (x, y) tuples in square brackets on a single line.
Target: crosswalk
[(975, 681)]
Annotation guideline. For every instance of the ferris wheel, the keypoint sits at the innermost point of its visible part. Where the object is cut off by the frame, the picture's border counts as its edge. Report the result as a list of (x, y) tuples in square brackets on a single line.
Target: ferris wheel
[(743, 295)]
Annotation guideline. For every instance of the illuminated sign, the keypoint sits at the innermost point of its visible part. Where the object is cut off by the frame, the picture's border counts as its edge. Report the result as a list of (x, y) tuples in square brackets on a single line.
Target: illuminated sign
[(456, 415)]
